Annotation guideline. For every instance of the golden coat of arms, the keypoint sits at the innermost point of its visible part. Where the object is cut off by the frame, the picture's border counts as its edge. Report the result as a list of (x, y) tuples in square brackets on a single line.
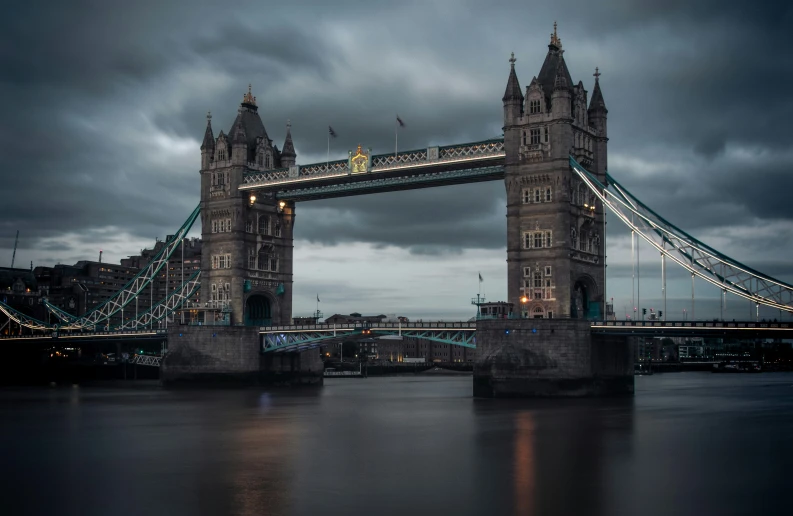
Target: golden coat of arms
[(359, 162)]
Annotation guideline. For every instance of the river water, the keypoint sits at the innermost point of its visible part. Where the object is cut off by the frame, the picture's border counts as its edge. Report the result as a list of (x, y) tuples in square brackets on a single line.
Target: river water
[(687, 443)]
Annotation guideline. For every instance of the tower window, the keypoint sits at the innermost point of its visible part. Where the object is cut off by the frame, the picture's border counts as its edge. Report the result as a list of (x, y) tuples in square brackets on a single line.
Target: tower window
[(534, 106), (548, 194), (535, 136), (548, 268), (526, 196), (524, 137), (545, 130), (538, 240), (264, 225)]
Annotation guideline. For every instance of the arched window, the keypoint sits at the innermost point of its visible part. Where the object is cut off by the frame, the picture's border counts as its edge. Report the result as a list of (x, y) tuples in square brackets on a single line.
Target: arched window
[(538, 312), (548, 194), (537, 194)]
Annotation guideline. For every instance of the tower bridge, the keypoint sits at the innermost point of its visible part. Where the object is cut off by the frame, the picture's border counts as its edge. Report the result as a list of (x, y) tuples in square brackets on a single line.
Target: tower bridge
[(553, 160)]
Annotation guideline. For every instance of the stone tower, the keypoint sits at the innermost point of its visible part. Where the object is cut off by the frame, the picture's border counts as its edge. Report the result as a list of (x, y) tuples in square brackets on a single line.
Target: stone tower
[(246, 260), (555, 226)]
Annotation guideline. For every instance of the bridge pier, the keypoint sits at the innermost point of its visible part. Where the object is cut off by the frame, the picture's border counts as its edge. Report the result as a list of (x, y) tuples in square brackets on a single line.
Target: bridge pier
[(232, 355), (550, 358)]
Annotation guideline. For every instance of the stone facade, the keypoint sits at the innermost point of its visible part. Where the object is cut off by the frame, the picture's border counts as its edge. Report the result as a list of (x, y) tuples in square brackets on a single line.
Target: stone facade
[(555, 226), (556, 357), (247, 258), (218, 354)]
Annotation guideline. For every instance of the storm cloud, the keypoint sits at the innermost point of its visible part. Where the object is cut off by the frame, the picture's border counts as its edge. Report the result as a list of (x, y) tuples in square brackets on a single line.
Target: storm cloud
[(104, 107)]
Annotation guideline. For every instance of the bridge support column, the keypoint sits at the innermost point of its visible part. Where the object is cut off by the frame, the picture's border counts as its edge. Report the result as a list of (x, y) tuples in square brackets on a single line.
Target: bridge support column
[(549, 358), (232, 355)]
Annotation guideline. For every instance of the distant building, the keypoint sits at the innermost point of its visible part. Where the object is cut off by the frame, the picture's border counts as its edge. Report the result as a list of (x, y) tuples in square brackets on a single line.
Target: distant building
[(20, 290), (78, 288)]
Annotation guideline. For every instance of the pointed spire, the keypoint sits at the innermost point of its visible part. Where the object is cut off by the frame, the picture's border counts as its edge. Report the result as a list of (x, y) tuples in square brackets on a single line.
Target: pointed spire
[(289, 148), (209, 138), (248, 98), (513, 86), (555, 41), (597, 103)]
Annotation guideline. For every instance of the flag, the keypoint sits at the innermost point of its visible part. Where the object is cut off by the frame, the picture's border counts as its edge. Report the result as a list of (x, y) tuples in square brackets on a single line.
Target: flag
[(317, 298), (400, 122), (331, 132), (480, 278)]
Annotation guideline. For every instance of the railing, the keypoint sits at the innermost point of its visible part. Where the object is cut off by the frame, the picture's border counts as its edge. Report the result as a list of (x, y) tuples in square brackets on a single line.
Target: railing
[(379, 163), (373, 326)]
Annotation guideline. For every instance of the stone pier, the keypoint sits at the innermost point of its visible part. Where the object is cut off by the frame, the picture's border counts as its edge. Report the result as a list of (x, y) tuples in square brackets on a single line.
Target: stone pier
[(232, 355), (549, 358)]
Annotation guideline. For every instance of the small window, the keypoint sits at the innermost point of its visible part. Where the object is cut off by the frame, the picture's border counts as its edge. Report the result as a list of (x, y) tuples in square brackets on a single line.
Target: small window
[(547, 239), (278, 229), (534, 107), (264, 225), (228, 225), (547, 270), (545, 137), (535, 136), (524, 137), (537, 194), (548, 194), (248, 227), (526, 271), (214, 226), (526, 196), (538, 240)]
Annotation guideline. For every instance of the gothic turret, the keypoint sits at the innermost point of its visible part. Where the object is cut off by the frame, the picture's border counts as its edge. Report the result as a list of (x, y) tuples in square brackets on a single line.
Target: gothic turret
[(598, 115), (597, 105), (561, 105), (513, 97), (208, 145), (288, 155)]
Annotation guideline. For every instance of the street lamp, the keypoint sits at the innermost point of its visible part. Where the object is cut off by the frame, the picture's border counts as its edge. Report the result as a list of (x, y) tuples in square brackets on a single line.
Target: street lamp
[(523, 301)]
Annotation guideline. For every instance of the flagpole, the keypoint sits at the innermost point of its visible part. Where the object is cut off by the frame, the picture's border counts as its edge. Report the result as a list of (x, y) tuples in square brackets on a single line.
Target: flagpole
[(396, 137), (327, 159)]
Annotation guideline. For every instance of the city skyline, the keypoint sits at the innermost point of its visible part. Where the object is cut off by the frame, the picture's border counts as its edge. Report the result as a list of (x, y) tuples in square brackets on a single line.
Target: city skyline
[(120, 135)]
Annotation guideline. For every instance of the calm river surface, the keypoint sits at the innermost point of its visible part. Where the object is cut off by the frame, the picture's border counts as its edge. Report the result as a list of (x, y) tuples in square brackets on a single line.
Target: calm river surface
[(688, 443)]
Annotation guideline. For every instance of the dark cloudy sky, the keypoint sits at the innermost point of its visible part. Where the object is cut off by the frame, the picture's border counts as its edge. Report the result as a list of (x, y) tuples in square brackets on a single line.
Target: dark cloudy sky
[(103, 108)]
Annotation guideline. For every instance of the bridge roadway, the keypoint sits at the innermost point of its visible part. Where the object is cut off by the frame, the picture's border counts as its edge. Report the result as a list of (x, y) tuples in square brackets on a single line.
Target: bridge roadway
[(302, 337)]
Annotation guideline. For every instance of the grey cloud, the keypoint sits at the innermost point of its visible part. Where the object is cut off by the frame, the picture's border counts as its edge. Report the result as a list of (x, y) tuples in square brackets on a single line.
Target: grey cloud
[(690, 79)]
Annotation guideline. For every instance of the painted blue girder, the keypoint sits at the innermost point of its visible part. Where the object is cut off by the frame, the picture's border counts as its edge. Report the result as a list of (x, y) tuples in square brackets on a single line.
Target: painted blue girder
[(390, 184), (300, 338)]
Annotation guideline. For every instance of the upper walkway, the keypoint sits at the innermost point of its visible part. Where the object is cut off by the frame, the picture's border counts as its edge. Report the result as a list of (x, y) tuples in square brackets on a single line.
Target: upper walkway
[(363, 173)]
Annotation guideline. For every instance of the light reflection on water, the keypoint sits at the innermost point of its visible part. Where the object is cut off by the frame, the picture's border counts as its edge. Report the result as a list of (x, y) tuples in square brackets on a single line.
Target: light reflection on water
[(686, 444)]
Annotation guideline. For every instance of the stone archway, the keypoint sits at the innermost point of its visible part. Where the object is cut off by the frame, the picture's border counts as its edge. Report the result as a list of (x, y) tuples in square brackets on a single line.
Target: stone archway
[(538, 312), (584, 303), (258, 311)]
